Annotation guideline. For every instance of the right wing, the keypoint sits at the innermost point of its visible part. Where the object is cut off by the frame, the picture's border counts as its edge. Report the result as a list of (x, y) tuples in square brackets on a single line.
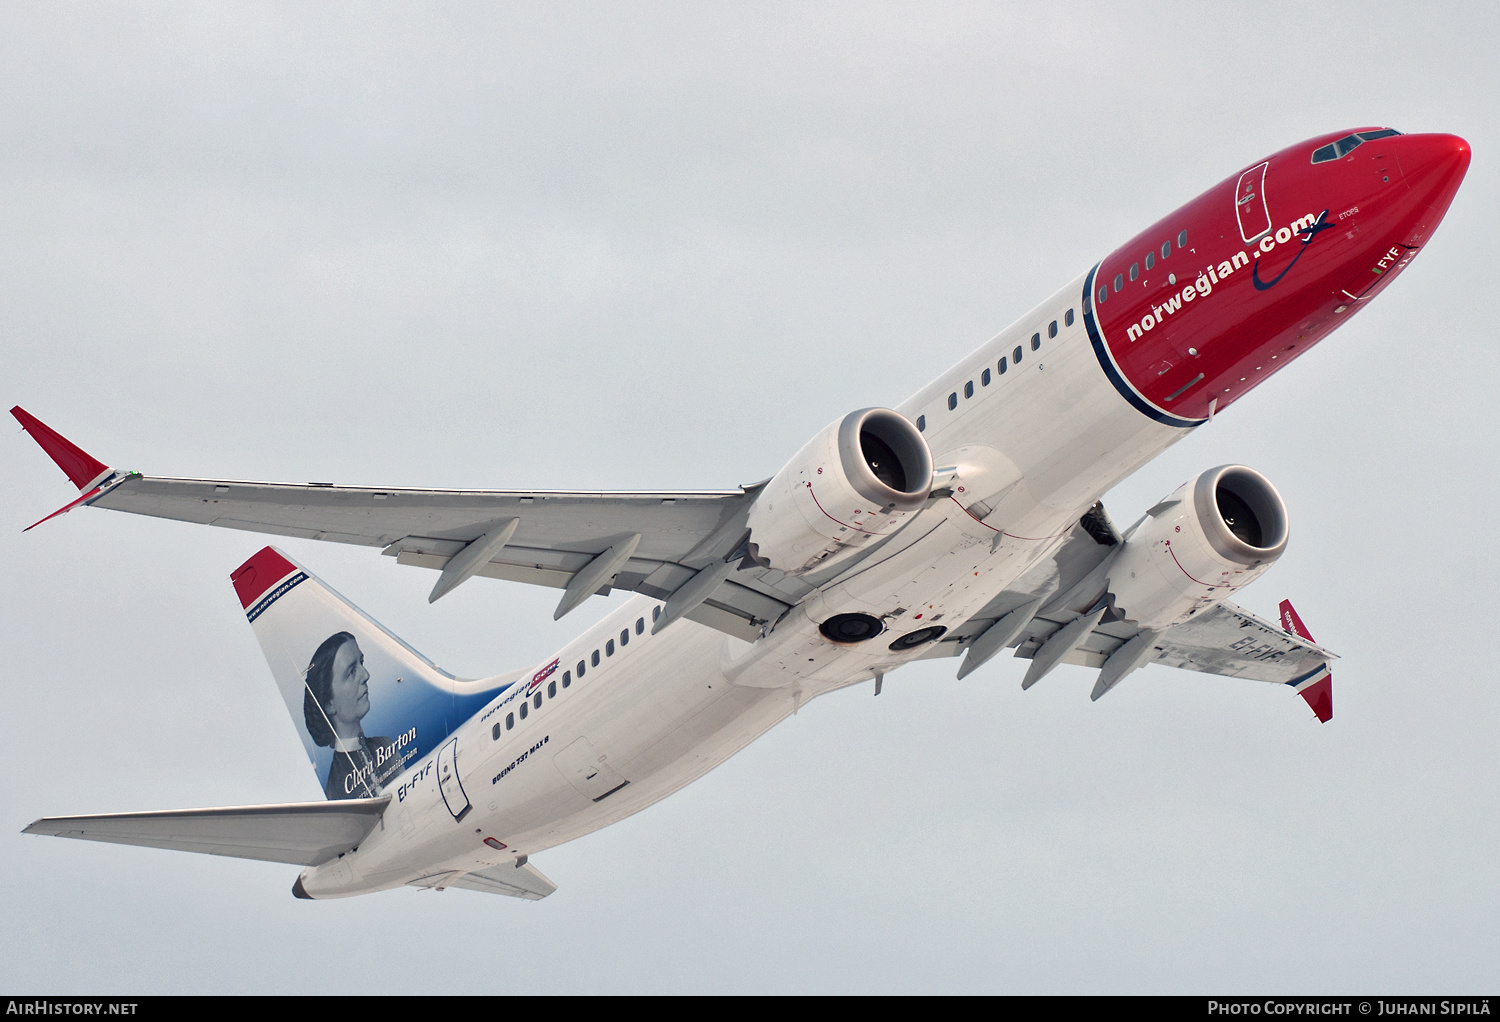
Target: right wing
[(301, 833)]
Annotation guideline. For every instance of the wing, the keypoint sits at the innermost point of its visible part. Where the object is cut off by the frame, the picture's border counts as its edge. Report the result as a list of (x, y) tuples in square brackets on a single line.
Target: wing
[(302, 833), (1054, 615), (580, 542), (1226, 640)]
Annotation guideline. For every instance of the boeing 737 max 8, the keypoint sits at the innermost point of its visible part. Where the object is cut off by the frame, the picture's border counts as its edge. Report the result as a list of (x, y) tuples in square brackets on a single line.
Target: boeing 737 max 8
[(962, 523)]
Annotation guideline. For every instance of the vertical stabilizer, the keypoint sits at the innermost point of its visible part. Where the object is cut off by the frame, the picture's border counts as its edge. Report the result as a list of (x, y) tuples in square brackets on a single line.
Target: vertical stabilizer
[(365, 703)]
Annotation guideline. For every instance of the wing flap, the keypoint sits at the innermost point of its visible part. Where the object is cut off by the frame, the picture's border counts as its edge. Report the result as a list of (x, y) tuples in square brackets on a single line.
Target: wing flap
[(300, 833), (1225, 640)]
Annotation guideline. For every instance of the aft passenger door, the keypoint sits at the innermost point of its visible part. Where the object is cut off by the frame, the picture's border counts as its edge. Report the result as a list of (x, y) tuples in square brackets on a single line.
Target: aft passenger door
[(448, 782)]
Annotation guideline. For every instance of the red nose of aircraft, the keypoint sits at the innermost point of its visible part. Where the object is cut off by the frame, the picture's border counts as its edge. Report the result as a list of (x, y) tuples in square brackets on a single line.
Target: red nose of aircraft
[(1432, 166)]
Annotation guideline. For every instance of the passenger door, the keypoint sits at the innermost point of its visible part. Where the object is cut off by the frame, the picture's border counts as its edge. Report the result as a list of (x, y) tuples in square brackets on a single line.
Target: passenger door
[(1250, 203), (448, 782)]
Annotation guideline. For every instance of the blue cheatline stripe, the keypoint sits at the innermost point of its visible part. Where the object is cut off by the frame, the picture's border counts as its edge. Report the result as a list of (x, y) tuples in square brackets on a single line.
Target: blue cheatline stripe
[(276, 594), (1107, 363)]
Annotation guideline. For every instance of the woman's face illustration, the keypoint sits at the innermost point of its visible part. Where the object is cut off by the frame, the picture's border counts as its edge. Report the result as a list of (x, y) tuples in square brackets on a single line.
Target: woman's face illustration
[(349, 692)]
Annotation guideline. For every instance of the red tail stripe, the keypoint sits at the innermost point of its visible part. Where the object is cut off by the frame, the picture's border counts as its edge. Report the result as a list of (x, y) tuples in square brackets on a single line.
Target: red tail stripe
[(260, 573), (80, 467)]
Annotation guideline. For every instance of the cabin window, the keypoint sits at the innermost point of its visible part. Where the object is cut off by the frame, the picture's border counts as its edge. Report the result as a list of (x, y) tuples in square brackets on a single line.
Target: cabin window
[(984, 378), (1119, 282), (952, 401), (624, 636), (921, 426), (536, 700), (1182, 239), (524, 709), (1015, 356), (510, 721), (1166, 249), (580, 668), (609, 648), (594, 659), (1002, 366), (551, 689), (1036, 342), (1150, 260), (495, 731), (567, 678), (1103, 294), (640, 626), (655, 613), (1135, 270), (969, 389), (1068, 318)]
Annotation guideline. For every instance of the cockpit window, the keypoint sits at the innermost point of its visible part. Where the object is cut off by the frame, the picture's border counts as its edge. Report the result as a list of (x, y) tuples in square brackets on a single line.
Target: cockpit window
[(1346, 145)]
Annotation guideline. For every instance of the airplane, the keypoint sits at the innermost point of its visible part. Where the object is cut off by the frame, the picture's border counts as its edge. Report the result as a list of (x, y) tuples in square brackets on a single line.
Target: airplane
[(964, 522)]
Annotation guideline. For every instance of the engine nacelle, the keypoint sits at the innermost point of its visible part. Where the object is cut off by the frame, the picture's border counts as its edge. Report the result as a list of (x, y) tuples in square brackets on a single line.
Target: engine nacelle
[(860, 479), (1214, 534)]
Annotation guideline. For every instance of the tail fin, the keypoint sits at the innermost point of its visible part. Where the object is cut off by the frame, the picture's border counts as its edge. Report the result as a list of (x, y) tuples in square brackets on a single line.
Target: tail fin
[(364, 702), (1317, 686)]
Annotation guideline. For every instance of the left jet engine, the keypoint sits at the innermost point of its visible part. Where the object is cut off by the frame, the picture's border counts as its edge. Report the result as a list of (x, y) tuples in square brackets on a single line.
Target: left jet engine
[(859, 480)]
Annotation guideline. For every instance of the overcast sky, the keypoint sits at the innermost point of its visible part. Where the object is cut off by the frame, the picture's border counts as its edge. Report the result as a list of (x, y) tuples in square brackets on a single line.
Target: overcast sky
[(660, 245)]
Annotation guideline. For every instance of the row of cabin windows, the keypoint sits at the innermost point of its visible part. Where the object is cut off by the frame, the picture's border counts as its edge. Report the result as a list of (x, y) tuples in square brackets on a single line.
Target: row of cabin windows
[(1001, 366), (1135, 268), (567, 679)]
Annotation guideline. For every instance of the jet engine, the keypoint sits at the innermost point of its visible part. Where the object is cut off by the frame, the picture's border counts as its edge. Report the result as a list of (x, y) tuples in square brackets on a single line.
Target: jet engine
[(859, 480), (1214, 534)]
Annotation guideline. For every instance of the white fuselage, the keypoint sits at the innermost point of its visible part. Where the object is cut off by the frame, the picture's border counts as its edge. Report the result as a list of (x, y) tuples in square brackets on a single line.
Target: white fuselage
[(1025, 456)]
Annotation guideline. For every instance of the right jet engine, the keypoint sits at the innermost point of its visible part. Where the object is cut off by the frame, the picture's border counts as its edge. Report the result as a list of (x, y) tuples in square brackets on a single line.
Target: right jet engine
[(1213, 535)]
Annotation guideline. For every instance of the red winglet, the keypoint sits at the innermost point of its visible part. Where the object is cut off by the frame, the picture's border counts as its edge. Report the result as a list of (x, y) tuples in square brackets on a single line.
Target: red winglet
[(1292, 623), (263, 570), (80, 467), (1319, 696), (1316, 688)]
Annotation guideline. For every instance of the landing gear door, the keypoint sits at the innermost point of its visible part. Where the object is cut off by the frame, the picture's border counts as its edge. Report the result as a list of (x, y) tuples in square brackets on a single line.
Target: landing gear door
[(448, 783), (1250, 203)]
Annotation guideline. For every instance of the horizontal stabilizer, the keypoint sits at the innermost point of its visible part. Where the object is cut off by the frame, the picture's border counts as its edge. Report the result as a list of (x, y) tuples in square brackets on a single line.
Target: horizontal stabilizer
[(301, 833), (524, 881)]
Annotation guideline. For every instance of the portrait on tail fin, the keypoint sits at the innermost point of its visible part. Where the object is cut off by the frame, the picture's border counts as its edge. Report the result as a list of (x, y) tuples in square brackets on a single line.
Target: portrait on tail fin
[(336, 700)]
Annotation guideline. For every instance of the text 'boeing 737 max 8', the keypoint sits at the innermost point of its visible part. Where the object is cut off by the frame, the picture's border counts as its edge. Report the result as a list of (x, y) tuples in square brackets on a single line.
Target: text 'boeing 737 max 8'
[(962, 523)]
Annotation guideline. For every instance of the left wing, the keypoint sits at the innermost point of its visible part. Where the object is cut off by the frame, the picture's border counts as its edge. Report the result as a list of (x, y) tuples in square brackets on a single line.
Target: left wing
[(581, 542)]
